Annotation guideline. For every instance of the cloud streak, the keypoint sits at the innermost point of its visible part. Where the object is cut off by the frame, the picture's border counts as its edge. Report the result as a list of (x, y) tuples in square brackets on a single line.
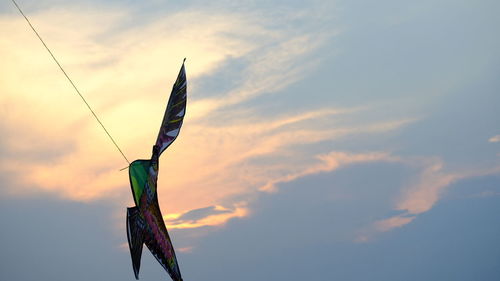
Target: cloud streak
[(208, 216), (112, 63), (423, 194), (494, 139), (224, 152), (328, 163)]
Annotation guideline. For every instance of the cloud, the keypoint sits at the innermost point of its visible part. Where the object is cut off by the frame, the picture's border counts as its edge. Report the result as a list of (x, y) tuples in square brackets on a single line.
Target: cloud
[(433, 180), (201, 213), (224, 152), (208, 216), (495, 139), (392, 222), (244, 159), (328, 163), (185, 249), (219, 215), (124, 62), (421, 195)]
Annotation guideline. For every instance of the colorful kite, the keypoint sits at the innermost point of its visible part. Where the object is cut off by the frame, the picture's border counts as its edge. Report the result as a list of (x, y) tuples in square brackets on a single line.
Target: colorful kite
[(144, 221)]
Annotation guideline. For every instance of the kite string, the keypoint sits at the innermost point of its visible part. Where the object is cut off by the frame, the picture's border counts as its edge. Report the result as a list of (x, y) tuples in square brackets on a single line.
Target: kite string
[(70, 81)]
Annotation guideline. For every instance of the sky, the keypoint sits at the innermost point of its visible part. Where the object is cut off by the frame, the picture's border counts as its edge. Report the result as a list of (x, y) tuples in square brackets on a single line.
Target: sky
[(323, 140)]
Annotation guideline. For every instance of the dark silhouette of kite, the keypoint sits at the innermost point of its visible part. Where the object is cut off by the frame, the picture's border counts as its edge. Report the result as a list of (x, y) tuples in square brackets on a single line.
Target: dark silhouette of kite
[(145, 223)]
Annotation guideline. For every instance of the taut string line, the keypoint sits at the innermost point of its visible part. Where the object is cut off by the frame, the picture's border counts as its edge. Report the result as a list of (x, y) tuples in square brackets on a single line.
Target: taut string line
[(70, 81)]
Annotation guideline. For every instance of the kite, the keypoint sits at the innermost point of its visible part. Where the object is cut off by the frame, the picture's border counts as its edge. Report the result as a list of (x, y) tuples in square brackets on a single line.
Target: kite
[(145, 223)]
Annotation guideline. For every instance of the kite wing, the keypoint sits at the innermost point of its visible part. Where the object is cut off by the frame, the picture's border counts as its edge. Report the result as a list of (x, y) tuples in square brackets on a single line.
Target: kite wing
[(158, 242), (174, 114), (135, 234)]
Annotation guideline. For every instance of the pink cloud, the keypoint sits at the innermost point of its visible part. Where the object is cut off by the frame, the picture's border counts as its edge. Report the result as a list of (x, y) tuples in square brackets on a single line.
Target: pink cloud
[(392, 222), (419, 197)]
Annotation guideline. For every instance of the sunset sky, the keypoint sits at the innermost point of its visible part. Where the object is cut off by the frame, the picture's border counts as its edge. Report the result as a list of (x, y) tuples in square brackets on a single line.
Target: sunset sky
[(323, 140)]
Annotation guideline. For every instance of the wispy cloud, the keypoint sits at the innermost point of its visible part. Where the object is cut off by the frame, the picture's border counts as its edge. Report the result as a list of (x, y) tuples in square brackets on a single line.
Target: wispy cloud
[(494, 139), (422, 195), (223, 152), (112, 64), (247, 158), (392, 222), (208, 216), (328, 163)]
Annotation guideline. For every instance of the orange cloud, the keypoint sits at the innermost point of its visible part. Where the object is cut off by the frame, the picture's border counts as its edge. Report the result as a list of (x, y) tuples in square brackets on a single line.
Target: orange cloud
[(176, 221), (495, 139), (185, 249), (425, 193), (392, 222), (55, 146), (420, 196)]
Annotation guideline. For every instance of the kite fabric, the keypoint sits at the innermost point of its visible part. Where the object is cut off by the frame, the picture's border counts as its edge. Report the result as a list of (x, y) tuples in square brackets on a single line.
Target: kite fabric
[(145, 223)]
